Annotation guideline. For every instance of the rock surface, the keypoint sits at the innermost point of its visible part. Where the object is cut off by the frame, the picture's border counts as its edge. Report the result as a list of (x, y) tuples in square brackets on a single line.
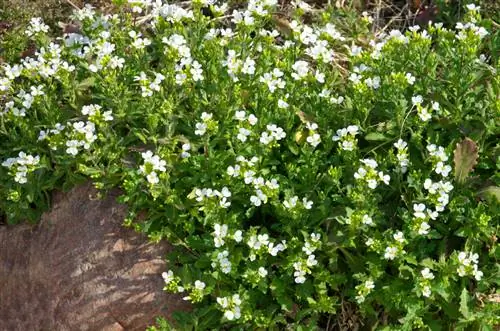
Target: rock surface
[(79, 269)]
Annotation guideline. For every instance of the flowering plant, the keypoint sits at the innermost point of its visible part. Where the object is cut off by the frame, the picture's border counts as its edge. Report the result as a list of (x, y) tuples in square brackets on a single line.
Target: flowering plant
[(300, 171)]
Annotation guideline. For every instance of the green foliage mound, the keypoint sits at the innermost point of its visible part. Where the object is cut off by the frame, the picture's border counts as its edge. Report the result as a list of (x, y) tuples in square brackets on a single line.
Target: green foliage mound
[(308, 178)]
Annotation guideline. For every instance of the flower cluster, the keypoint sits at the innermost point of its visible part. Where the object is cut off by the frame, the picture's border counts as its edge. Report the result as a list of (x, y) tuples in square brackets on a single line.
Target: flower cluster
[(222, 196), (425, 282), (369, 174), (467, 265), (231, 306), (303, 266), (438, 158), (402, 155), (273, 80), (347, 137), (396, 248), (273, 134), (21, 166), (149, 86), (363, 290), (236, 66), (239, 102), (151, 166), (207, 123), (36, 26)]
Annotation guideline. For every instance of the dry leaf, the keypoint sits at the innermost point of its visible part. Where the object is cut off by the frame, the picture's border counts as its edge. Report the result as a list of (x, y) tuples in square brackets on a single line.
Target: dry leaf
[(465, 158)]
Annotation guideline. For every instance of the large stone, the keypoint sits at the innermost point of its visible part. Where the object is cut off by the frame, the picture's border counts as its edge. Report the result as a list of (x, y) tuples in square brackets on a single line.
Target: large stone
[(79, 269)]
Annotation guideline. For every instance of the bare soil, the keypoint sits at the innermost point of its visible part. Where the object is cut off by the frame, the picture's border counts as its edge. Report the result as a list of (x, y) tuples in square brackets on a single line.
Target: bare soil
[(80, 269)]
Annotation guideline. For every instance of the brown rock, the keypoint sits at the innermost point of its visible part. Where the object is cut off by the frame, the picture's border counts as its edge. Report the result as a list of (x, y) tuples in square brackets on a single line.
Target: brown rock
[(79, 269)]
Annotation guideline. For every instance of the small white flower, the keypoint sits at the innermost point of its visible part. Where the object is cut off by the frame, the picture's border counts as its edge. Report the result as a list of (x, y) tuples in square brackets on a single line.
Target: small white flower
[(199, 285), (367, 220), (168, 276), (262, 272), (399, 237), (307, 203), (252, 119), (427, 273), (426, 291), (282, 104), (443, 169), (238, 236), (390, 253), (240, 115), (424, 228), (410, 78), (201, 128), (419, 210)]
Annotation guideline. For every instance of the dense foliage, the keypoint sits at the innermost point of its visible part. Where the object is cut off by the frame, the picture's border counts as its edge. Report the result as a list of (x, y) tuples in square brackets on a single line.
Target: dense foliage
[(307, 177)]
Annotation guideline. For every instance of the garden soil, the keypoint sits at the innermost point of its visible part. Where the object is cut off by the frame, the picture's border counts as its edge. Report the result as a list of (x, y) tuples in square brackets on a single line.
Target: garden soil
[(80, 269)]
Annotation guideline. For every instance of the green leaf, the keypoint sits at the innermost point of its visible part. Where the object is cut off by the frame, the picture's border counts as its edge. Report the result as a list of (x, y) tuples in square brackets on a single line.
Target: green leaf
[(465, 158), (491, 192), (376, 136), (85, 84), (464, 303)]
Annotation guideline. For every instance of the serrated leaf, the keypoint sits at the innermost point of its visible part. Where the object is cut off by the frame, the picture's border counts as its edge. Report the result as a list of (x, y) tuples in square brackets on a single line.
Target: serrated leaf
[(465, 158), (464, 303), (376, 136)]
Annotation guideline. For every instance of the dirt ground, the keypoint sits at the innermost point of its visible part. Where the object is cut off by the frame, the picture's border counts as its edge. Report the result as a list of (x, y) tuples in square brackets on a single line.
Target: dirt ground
[(80, 269)]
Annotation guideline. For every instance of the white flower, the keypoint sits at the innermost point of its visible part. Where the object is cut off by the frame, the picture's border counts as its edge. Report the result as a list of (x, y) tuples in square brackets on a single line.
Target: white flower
[(390, 253), (248, 66), (168, 276), (417, 100), (229, 315), (152, 178), (472, 7), (238, 236), (262, 272), (282, 104), (367, 220), (427, 273), (299, 276), (399, 237), (443, 169), (199, 285), (240, 115), (369, 284), (424, 228), (400, 144), (373, 83), (255, 200), (201, 128), (426, 291), (311, 261), (419, 210), (243, 134), (249, 176), (275, 249), (370, 163), (301, 69), (185, 150), (410, 78), (307, 203), (424, 114), (291, 202), (314, 139), (252, 119)]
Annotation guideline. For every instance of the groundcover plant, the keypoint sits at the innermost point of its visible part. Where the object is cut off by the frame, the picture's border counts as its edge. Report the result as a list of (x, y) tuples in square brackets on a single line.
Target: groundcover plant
[(308, 178)]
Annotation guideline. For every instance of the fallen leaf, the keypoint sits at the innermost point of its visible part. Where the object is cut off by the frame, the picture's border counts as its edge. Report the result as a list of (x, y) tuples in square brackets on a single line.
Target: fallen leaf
[(465, 158)]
